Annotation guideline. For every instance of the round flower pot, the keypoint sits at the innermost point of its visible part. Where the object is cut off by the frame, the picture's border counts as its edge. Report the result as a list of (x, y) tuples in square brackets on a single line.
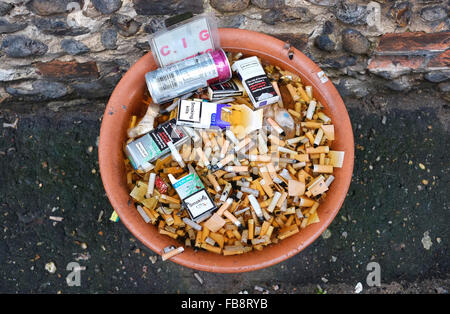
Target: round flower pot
[(125, 101)]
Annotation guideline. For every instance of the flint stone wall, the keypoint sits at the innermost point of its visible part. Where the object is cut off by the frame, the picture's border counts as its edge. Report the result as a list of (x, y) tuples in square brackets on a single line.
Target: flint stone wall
[(59, 53)]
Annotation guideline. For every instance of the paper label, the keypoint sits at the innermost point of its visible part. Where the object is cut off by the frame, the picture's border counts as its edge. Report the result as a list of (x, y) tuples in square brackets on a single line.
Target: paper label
[(196, 114), (183, 42), (199, 203)]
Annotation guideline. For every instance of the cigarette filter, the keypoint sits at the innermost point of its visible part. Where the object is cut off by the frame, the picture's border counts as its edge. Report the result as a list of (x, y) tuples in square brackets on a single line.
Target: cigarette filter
[(172, 253), (336, 158), (255, 205), (275, 126)]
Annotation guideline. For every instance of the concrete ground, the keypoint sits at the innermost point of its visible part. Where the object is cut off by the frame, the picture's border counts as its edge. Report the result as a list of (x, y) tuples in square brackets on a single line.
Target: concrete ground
[(396, 212)]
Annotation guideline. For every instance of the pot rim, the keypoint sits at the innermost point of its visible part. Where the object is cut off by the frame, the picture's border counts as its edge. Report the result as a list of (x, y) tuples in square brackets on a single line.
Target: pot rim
[(232, 40)]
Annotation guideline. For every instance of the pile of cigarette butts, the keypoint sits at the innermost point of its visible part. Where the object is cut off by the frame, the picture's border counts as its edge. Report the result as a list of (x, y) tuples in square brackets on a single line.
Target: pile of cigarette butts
[(219, 169)]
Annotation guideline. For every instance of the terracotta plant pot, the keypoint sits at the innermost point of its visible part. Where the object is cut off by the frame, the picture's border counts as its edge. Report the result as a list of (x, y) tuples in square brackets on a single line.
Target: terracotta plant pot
[(125, 102)]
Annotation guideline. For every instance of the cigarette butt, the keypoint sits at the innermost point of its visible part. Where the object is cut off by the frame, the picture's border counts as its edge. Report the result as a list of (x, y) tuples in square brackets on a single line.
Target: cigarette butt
[(274, 201), (213, 181), (294, 113), (224, 149), (329, 180), (168, 233), (251, 226), (210, 248), (236, 234), (133, 122), (306, 202), (323, 117), (256, 185), (308, 90), (264, 228), (318, 188), (224, 206), (276, 127), (172, 253), (260, 158), (288, 231), (142, 213), (233, 250), (173, 170), (336, 158), (322, 168), (286, 150), (236, 168), (293, 93), (277, 90), (233, 219), (266, 187), (311, 109), (214, 144), (317, 150), (170, 199), (262, 144), (229, 158), (310, 137), (151, 184), (220, 239), (265, 174), (202, 156), (175, 154), (191, 223), (294, 140), (243, 143), (311, 124), (283, 197), (253, 192), (225, 192), (322, 159), (192, 133), (255, 205), (205, 137), (205, 232), (275, 140), (198, 239), (299, 165), (303, 94), (296, 188), (232, 137), (318, 138)]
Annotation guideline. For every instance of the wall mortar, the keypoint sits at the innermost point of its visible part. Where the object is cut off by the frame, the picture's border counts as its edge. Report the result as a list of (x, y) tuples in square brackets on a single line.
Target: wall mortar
[(112, 42)]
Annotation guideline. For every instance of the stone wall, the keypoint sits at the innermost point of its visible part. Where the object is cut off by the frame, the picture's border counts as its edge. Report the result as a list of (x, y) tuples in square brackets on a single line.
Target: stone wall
[(60, 53)]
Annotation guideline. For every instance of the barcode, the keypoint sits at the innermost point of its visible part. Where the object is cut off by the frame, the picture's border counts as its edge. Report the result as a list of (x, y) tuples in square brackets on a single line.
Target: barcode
[(167, 81)]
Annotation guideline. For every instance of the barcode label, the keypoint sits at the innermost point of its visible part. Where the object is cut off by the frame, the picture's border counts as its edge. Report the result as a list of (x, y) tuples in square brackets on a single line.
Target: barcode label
[(167, 81)]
